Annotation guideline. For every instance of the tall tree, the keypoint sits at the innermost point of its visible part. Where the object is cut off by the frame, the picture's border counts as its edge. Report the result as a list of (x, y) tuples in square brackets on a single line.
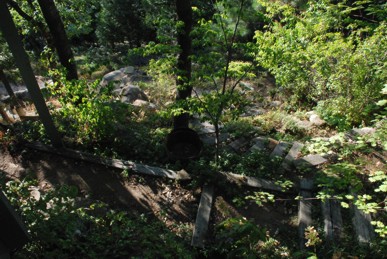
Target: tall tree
[(60, 39), (183, 82)]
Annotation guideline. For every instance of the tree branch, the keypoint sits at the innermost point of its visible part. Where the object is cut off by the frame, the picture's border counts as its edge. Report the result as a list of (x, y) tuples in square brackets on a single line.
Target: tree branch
[(17, 8)]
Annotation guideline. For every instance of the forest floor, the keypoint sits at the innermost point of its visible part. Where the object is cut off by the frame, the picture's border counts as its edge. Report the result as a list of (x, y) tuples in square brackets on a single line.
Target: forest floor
[(172, 202)]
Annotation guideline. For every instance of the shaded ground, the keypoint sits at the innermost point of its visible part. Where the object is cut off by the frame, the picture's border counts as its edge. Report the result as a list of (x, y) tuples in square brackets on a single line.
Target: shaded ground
[(171, 202)]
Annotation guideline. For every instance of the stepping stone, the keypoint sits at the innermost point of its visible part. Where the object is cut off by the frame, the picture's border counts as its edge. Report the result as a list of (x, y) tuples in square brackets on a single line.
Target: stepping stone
[(238, 144), (206, 127), (280, 149), (292, 155), (210, 139), (260, 144), (272, 143), (333, 222), (304, 209), (354, 133), (203, 216), (309, 161)]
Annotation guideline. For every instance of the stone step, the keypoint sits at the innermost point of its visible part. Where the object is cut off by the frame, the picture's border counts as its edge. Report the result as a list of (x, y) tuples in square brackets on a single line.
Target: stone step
[(238, 144), (280, 149), (292, 155), (309, 161)]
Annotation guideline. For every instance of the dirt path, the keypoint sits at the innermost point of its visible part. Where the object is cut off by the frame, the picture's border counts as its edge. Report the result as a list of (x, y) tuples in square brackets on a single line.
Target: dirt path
[(170, 202)]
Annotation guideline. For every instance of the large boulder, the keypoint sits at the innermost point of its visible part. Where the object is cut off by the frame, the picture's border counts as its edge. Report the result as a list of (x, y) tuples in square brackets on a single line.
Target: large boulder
[(130, 93), (117, 77), (123, 88)]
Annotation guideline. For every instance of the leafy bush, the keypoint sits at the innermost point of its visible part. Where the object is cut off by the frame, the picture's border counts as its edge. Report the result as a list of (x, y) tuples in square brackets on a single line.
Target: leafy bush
[(61, 228), (240, 238), (88, 114), (317, 63)]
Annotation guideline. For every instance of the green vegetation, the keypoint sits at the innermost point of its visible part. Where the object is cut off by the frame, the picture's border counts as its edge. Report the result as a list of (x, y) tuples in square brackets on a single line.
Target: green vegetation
[(283, 58), (62, 225)]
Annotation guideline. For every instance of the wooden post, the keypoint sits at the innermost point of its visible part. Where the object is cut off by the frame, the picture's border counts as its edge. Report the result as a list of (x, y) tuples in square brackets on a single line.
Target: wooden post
[(362, 223), (333, 222), (10, 34), (304, 209), (203, 216), (13, 234)]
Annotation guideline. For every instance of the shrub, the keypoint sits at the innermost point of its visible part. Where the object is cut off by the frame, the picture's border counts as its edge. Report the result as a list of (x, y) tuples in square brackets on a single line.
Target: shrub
[(319, 59)]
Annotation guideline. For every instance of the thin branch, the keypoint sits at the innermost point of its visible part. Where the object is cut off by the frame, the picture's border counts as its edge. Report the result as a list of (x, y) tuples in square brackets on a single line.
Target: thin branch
[(229, 48), (17, 8), (203, 104)]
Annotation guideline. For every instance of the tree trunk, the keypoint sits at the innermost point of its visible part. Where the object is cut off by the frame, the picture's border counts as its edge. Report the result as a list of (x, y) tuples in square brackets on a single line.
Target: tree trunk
[(184, 88), (61, 42), (7, 85), (38, 24), (9, 32)]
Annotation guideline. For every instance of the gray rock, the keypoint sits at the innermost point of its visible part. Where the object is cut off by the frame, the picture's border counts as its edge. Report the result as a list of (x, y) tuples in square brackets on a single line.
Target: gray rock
[(260, 144), (275, 104), (253, 112), (246, 86), (280, 149), (316, 120), (306, 125), (292, 155), (363, 131), (238, 144), (310, 161), (144, 104), (206, 127), (113, 76), (131, 93), (127, 70), (209, 139)]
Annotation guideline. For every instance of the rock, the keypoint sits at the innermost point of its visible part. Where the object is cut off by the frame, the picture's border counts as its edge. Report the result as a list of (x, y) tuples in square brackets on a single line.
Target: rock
[(142, 103), (363, 131), (209, 139), (306, 125), (316, 120), (117, 75), (246, 86), (280, 149), (35, 194), (259, 144), (275, 104), (292, 155), (309, 161), (272, 143), (131, 93), (205, 127), (127, 70), (253, 112), (238, 144)]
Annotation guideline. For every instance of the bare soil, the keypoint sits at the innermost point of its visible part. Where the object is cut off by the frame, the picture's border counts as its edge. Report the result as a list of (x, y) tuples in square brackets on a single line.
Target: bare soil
[(174, 203)]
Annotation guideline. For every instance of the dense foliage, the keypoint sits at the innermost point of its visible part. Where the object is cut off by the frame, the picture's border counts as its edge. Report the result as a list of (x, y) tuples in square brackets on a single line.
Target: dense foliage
[(321, 56), (327, 56)]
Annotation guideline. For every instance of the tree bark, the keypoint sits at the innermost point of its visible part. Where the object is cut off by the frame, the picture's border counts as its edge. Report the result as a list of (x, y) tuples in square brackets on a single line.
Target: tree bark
[(60, 39), (183, 81), (7, 85), (9, 32)]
